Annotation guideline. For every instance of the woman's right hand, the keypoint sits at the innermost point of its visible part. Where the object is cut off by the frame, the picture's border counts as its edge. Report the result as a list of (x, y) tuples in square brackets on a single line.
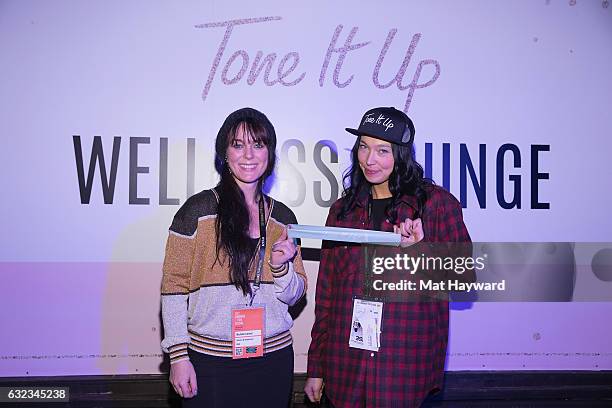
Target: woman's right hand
[(411, 230), (183, 379), (314, 388)]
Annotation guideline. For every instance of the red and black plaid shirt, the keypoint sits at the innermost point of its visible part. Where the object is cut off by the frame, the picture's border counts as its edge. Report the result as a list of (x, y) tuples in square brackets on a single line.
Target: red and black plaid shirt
[(410, 361)]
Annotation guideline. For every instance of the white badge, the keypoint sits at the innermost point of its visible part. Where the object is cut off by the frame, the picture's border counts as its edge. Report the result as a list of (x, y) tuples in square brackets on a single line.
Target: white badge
[(366, 324)]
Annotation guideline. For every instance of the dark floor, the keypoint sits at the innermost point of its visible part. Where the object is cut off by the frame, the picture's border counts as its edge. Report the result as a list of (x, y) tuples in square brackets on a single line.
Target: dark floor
[(440, 404), (462, 389)]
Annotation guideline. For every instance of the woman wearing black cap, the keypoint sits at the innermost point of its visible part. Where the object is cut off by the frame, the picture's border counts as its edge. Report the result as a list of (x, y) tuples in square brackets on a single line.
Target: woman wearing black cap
[(229, 275), (384, 190)]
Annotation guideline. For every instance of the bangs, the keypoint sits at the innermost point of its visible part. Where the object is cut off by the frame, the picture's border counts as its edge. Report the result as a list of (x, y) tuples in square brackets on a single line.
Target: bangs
[(254, 132)]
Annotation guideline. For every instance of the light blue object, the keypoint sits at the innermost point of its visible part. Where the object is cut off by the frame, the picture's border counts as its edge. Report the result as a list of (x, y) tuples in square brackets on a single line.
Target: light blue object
[(343, 234)]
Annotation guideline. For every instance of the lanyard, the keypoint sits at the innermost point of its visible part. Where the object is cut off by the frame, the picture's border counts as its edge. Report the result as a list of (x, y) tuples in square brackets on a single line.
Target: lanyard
[(262, 247), (369, 277)]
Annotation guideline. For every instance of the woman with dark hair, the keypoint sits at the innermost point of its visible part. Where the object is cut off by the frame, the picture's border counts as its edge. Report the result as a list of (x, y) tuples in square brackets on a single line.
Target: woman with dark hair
[(384, 190), (229, 275)]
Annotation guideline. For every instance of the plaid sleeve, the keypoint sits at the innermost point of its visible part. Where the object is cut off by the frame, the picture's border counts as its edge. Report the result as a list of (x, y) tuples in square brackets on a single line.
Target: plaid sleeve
[(451, 235), (323, 303), (450, 221)]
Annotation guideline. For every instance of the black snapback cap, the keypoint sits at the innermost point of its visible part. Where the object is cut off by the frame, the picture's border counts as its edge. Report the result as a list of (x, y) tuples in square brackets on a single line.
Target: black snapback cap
[(387, 124)]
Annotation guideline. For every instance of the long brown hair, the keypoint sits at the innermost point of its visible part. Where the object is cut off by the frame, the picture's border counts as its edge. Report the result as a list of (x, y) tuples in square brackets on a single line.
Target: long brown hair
[(232, 223)]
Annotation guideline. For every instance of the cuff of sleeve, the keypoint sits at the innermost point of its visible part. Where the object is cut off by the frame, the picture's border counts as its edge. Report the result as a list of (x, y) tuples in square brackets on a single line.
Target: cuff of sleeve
[(314, 371), (282, 272), (178, 352)]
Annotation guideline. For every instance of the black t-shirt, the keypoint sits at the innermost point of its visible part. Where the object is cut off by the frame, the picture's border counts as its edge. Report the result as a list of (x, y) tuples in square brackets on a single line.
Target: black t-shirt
[(378, 214)]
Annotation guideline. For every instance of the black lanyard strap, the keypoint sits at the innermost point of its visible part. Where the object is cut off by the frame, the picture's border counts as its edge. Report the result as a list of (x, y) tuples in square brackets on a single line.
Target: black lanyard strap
[(262, 241)]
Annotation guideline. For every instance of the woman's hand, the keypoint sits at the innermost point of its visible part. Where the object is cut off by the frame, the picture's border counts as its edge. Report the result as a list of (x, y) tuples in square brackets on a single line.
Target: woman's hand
[(283, 250), (411, 230), (183, 379), (314, 389)]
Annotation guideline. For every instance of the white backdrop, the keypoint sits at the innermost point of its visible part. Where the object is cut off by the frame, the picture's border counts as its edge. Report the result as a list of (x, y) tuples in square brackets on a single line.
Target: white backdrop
[(81, 277)]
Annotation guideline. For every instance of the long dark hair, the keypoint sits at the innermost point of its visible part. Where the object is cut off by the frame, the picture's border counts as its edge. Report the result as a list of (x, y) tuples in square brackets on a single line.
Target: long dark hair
[(405, 179), (232, 223)]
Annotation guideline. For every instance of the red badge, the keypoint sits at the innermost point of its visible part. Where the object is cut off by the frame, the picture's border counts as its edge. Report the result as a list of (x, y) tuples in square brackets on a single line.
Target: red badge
[(247, 332)]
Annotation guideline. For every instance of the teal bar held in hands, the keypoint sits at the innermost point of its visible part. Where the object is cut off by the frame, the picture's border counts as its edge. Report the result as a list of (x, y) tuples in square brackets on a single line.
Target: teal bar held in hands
[(344, 234)]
